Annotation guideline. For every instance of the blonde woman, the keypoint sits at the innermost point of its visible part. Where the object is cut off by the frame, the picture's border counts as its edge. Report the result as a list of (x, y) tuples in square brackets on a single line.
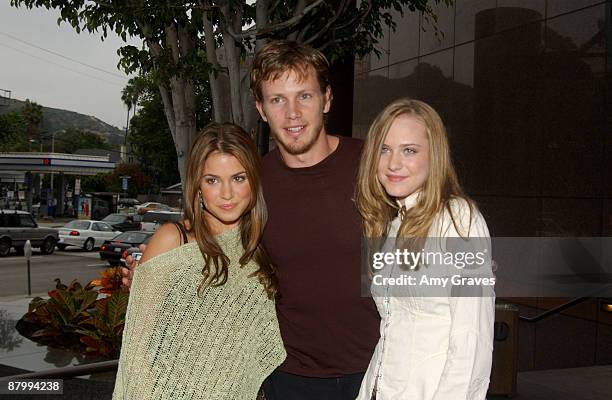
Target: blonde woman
[(434, 344), (201, 321)]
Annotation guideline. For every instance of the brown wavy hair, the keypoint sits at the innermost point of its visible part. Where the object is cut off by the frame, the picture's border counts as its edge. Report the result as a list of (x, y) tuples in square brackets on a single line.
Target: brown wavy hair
[(280, 56), (377, 208), (233, 140)]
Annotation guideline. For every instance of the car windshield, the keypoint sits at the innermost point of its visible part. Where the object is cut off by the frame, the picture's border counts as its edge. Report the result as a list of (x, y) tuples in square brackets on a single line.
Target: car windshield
[(128, 201), (114, 218), (132, 237), (161, 217), (77, 225)]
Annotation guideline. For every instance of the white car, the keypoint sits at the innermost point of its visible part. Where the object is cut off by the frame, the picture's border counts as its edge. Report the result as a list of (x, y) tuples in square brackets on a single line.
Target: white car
[(86, 234), (151, 206), (154, 219)]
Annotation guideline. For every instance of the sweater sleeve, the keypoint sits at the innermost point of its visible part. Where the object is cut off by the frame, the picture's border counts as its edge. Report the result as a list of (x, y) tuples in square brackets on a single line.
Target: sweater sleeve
[(468, 364)]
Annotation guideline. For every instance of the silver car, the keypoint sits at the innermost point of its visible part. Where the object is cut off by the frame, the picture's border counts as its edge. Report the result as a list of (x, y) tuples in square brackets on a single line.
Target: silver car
[(17, 227), (86, 234)]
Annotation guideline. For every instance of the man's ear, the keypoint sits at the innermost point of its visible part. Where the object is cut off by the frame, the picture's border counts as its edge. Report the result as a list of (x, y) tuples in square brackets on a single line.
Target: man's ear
[(260, 110), (328, 97)]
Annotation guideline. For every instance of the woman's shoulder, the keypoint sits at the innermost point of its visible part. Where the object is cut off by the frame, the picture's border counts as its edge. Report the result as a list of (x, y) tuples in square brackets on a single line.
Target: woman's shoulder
[(461, 217), (166, 239)]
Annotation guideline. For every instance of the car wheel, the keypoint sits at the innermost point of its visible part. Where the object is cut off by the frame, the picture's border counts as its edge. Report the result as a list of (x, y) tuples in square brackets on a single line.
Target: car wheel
[(48, 246), (61, 247), (89, 245), (5, 247)]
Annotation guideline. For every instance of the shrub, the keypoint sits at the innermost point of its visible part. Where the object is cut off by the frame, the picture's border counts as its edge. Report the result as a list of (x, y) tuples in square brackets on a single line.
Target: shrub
[(88, 319)]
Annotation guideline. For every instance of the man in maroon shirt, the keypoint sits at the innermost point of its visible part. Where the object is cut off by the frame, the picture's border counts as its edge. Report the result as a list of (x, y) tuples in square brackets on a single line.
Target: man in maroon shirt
[(313, 232)]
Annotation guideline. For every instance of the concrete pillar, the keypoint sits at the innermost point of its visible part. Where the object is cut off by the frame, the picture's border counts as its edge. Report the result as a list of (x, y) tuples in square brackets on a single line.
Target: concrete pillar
[(29, 184), (62, 195)]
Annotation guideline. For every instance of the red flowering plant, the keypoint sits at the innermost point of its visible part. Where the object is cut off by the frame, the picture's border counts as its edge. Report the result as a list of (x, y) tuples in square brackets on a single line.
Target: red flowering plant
[(87, 319)]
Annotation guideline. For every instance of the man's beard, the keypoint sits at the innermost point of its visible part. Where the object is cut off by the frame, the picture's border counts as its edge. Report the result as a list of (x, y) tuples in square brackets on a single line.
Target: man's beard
[(303, 144)]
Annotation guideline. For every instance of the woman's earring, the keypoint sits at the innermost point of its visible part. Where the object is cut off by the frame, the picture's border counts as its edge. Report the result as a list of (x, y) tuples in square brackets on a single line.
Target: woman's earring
[(201, 201)]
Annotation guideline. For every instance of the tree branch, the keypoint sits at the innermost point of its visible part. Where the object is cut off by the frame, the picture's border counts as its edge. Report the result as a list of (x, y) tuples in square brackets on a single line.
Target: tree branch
[(168, 108), (233, 63), (254, 31), (154, 47), (340, 40), (186, 41), (211, 56), (172, 41), (297, 10), (359, 16), (261, 21), (276, 4)]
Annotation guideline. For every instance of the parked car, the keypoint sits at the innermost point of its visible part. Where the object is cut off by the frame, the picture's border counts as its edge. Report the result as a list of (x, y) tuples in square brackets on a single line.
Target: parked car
[(123, 223), (151, 206), (127, 205), (112, 250), (100, 208), (127, 202), (153, 219), (17, 227), (86, 234)]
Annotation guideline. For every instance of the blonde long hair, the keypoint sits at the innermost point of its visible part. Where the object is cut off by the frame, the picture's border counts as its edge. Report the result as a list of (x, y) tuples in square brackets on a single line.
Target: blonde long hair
[(376, 207), (228, 139)]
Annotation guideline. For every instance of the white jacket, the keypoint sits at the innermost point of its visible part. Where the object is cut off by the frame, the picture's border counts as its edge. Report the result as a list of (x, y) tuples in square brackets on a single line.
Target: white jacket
[(434, 348)]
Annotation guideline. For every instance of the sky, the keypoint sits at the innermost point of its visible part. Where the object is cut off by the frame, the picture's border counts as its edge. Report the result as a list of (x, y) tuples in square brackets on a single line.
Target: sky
[(55, 81)]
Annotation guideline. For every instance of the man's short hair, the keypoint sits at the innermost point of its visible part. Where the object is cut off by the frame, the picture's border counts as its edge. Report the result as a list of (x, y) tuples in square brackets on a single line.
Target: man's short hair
[(280, 56)]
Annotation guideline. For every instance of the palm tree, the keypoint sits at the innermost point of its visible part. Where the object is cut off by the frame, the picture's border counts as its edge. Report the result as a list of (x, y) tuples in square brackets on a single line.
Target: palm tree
[(33, 116), (130, 95)]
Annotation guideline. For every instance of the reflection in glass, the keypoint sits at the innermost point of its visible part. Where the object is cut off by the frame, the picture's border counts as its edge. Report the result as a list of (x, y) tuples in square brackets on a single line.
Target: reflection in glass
[(557, 7), (9, 338), (513, 13), (465, 19), (464, 64), (404, 42), (430, 41)]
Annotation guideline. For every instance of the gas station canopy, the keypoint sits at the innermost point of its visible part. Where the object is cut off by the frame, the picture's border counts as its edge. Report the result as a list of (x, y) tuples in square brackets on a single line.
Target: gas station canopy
[(70, 164)]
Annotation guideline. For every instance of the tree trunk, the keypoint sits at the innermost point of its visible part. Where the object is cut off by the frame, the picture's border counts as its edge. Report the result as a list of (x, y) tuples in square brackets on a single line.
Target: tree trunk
[(219, 109), (183, 145), (233, 63)]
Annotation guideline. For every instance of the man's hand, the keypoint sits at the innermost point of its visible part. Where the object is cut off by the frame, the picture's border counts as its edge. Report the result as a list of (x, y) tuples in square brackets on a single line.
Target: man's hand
[(128, 271)]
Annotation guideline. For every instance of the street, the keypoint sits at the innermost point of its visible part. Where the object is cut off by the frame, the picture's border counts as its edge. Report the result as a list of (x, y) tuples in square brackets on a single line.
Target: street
[(72, 263)]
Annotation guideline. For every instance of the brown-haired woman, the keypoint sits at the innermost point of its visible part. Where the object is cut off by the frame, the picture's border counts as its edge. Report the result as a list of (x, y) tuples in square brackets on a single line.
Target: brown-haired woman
[(436, 342), (201, 322)]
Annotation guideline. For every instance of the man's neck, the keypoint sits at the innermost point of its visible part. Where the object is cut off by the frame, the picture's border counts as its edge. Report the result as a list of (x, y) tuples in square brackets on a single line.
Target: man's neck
[(326, 145)]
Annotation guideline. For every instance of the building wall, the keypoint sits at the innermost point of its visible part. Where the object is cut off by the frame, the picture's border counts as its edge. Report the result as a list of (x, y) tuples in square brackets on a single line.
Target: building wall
[(524, 87)]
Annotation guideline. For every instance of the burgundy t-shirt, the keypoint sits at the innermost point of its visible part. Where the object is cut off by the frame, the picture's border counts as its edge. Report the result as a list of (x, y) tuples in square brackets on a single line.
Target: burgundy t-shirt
[(313, 236)]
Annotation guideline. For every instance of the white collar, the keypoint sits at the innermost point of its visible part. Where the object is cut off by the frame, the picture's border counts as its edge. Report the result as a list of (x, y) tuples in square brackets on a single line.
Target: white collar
[(408, 202)]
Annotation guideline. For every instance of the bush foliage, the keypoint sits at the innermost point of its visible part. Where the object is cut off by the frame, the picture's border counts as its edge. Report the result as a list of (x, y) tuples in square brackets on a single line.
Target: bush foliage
[(88, 319)]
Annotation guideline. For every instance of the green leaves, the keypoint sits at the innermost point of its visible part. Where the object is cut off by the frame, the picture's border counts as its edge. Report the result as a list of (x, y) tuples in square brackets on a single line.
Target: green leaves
[(13, 132), (74, 317), (104, 325)]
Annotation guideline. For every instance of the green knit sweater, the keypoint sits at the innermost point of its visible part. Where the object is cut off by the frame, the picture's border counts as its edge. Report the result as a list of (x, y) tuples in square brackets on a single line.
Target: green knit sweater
[(177, 345)]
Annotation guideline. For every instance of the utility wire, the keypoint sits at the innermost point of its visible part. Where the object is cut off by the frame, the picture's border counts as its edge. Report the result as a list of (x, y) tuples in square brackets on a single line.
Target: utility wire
[(63, 66), (61, 55)]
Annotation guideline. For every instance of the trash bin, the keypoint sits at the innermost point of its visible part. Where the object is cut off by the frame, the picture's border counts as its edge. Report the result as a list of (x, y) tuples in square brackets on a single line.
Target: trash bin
[(505, 350)]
